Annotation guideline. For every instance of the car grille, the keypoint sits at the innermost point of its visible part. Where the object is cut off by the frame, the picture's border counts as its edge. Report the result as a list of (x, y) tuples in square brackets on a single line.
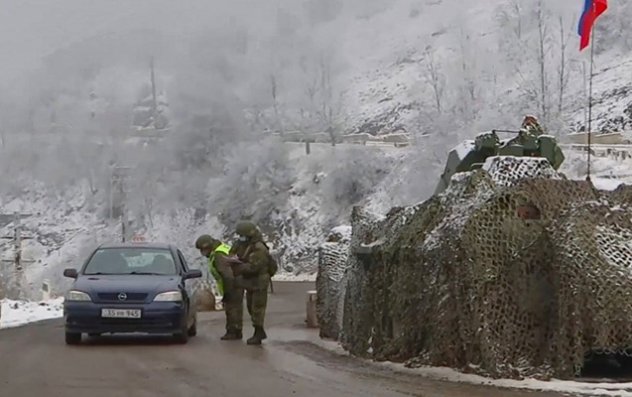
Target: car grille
[(124, 324), (146, 322), (114, 297)]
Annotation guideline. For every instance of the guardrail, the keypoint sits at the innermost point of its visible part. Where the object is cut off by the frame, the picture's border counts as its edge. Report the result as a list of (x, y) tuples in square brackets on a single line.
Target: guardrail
[(368, 145), (598, 145), (614, 151)]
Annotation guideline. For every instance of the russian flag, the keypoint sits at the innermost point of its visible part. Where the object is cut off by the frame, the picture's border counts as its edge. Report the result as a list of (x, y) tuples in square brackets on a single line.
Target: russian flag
[(592, 10)]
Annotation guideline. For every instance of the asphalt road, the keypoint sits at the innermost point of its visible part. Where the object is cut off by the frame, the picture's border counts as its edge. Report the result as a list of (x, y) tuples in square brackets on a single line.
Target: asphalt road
[(35, 362)]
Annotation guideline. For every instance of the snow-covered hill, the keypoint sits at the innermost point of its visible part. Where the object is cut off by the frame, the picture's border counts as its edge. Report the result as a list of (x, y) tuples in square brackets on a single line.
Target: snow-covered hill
[(440, 70), (323, 187), (65, 227)]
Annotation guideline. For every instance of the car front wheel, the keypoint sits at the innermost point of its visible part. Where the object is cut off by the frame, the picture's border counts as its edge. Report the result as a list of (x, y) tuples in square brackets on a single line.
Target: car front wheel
[(182, 336), (193, 330), (73, 338)]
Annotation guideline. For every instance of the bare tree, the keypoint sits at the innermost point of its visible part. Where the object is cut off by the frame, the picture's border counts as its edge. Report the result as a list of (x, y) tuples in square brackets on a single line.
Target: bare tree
[(311, 90), (509, 18), (326, 110), (542, 38), (564, 72), (528, 44), (562, 75), (435, 78), (518, 12), (467, 64), (322, 107), (275, 103)]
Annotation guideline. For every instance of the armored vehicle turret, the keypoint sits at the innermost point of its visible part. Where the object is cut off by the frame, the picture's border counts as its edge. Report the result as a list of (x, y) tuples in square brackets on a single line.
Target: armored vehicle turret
[(530, 141)]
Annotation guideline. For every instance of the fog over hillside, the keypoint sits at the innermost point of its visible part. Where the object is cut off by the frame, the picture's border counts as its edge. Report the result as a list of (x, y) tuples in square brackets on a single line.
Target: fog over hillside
[(230, 76)]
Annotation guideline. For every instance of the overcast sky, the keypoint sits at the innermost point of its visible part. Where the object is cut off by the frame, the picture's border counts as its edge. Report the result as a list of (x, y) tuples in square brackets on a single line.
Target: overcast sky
[(31, 29)]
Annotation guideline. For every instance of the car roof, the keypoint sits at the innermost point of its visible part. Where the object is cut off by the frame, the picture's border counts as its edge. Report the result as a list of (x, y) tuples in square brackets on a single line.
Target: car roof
[(139, 245)]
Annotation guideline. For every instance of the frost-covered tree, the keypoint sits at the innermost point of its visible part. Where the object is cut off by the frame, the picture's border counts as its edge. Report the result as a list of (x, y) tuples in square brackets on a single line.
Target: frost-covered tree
[(435, 78), (350, 178), (255, 182), (534, 42)]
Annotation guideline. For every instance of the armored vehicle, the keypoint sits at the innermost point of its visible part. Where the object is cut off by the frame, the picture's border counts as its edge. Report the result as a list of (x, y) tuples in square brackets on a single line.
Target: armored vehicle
[(530, 141)]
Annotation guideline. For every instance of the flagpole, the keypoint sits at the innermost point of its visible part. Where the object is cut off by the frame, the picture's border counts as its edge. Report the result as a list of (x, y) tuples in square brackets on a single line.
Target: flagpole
[(590, 81)]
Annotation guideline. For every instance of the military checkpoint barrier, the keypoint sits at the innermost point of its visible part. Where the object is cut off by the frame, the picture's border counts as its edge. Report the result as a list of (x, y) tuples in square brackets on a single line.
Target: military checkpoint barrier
[(513, 271)]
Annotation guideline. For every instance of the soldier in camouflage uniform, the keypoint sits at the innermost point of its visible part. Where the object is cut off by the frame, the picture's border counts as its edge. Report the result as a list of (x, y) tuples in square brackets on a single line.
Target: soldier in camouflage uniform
[(233, 295), (528, 134), (253, 275), (532, 126)]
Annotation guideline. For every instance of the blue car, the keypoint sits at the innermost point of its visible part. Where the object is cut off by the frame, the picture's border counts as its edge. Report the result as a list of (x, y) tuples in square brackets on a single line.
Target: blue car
[(132, 288)]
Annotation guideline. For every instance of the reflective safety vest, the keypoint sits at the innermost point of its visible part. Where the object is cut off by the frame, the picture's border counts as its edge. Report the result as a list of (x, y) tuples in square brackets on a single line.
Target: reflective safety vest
[(219, 281)]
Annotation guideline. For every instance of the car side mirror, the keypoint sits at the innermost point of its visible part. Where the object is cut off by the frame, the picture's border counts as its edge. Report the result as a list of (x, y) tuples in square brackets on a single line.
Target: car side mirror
[(192, 274), (71, 273)]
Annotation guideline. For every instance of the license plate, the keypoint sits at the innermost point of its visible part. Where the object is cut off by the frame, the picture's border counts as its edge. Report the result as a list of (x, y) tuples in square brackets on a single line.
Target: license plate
[(120, 313)]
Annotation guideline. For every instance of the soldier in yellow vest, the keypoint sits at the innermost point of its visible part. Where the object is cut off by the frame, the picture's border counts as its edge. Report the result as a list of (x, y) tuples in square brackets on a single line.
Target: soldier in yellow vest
[(221, 270)]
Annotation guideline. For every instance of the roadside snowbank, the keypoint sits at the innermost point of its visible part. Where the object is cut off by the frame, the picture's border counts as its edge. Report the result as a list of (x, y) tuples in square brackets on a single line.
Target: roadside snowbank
[(451, 375), (289, 277), (15, 313)]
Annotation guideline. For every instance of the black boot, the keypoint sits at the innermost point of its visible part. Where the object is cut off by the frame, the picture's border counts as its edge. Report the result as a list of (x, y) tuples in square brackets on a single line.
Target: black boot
[(259, 335), (233, 334)]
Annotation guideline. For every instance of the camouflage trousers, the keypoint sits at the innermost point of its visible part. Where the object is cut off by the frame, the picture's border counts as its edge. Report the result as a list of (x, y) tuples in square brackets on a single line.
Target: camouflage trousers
[(257, 301), (234, 308), (256, 290)]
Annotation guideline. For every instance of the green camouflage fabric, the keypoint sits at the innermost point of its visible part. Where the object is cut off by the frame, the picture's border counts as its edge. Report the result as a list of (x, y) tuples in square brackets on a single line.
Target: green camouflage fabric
[(253, 275), (233, 294)]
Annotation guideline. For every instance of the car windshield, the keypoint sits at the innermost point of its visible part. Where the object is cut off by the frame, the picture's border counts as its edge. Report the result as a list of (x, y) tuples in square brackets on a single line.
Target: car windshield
[(131, 260)]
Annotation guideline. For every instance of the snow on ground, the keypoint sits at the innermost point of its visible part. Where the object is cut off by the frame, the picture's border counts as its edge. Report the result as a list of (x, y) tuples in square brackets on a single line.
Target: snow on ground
[(606, 184), (15, 313), (606, 173), (294, 277), (451, 375), (611, 106)]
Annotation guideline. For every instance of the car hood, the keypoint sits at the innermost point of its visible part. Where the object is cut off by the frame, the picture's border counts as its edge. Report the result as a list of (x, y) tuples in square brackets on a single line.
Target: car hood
[(126, 283)]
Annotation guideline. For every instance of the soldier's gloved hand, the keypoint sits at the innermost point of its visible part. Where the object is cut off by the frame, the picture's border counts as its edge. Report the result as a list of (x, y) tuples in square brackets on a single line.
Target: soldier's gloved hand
[(249, 271)]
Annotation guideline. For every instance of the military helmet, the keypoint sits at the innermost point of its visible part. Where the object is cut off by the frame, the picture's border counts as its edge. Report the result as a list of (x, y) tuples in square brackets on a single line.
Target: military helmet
[(205, 241), (246, 229), (529, 120)]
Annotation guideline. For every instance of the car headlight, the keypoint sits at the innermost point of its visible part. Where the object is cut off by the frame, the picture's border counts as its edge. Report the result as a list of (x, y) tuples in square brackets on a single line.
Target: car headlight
[(171, 296), (77, 296)]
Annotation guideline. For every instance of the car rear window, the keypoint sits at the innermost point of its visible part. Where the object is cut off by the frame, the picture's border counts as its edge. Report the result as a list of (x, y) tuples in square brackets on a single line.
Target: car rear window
[(131, 260)]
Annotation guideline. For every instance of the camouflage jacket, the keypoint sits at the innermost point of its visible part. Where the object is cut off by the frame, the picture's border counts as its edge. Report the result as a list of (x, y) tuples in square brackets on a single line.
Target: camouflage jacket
[(224, 269), (253, 272)]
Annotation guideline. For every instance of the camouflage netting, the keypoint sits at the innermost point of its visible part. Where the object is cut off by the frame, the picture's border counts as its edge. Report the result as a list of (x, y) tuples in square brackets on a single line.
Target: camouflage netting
[(206, 296), (513, 271), (332, 264)]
